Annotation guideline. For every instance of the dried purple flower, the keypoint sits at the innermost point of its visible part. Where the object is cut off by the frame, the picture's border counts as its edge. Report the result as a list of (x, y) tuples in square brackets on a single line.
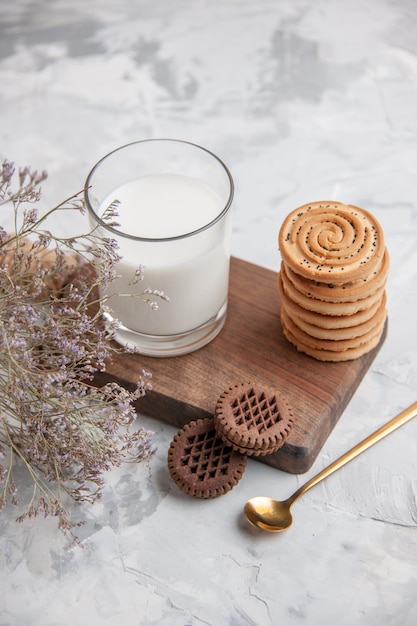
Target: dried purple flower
[(53, 419)]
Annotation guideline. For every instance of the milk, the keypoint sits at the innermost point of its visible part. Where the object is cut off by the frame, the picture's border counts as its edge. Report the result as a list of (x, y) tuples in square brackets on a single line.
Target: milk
[(192, 269)]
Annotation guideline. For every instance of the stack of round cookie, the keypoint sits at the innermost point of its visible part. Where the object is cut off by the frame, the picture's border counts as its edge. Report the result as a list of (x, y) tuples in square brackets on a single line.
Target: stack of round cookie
[(332, 280)]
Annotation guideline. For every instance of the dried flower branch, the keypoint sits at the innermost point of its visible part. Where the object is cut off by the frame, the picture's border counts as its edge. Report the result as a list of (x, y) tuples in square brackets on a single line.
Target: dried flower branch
[(53, 419)]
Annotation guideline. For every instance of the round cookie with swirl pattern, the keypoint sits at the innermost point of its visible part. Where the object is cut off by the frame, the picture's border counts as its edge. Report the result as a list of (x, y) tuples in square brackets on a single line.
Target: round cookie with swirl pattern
[(331, 242)]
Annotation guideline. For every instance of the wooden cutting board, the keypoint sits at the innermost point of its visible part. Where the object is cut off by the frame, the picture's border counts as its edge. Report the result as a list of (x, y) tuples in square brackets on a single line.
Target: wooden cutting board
[(251, 347)]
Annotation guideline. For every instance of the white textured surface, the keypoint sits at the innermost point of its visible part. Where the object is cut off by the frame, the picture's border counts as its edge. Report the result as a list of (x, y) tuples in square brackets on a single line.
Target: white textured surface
[(304, 101)]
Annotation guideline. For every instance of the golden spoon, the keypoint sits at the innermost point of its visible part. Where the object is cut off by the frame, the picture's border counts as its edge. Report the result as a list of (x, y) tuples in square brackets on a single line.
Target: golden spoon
[(275, 516)]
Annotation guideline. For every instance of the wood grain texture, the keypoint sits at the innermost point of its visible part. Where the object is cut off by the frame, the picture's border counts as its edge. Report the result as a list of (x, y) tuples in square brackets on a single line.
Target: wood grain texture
[(251, 347)]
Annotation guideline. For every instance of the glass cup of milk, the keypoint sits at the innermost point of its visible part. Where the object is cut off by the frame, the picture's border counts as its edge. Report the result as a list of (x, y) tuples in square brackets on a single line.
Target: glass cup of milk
[(174, 219)]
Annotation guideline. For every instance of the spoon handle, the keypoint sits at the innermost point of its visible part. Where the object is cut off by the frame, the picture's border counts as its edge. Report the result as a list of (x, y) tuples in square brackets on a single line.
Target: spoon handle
[(401, 419)]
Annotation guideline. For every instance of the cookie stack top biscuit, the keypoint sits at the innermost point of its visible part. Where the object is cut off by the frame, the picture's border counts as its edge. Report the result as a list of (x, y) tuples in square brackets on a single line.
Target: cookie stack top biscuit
[(332, 242), (332, 280)]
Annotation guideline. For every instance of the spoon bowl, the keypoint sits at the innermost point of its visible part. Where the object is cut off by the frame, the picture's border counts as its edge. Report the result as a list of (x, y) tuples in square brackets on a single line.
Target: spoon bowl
[(275, 516), (269, 514)]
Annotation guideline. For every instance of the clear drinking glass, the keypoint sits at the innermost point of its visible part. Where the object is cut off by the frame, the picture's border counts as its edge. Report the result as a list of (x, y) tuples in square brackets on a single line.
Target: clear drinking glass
[(175, 220)]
